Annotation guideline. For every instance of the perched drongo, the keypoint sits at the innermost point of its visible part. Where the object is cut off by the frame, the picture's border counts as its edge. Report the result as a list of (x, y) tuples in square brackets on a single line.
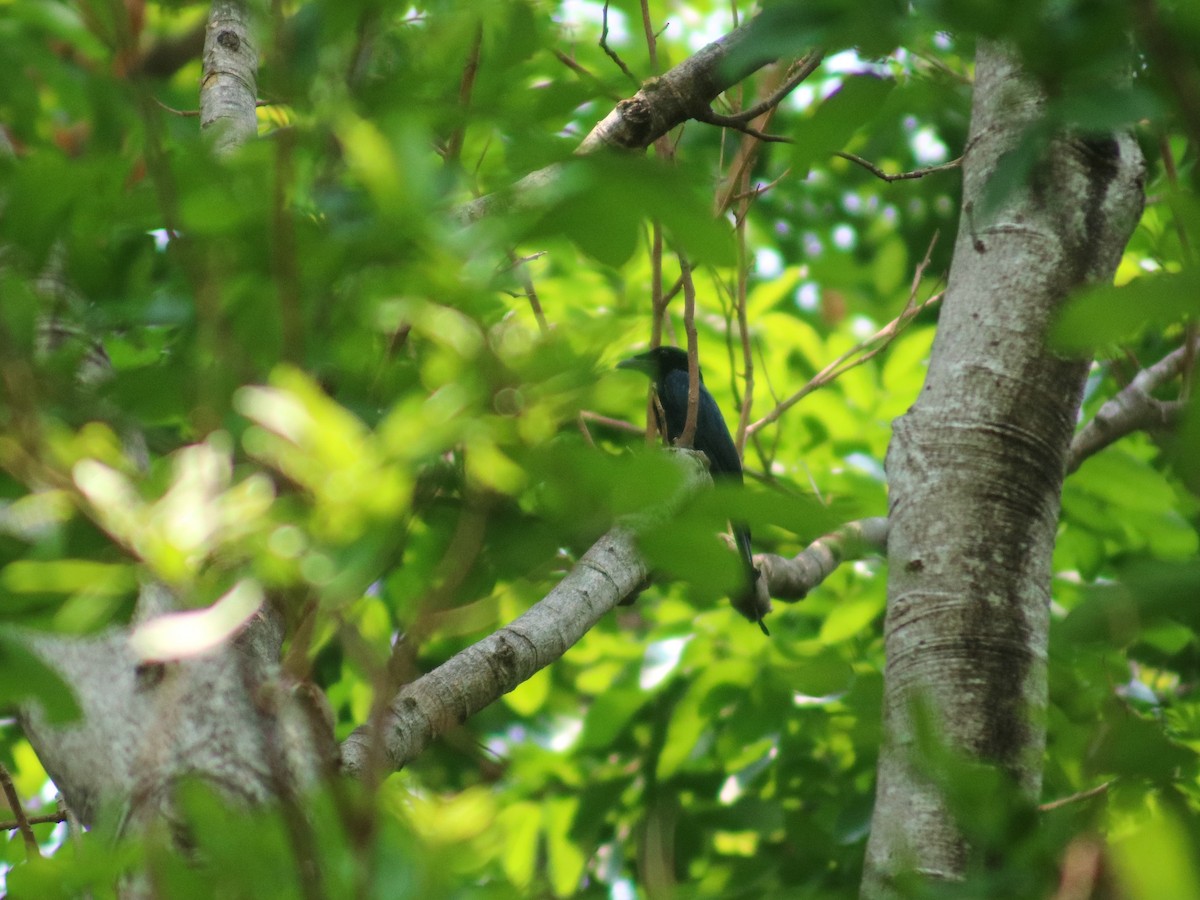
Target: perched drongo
[(668, 369)]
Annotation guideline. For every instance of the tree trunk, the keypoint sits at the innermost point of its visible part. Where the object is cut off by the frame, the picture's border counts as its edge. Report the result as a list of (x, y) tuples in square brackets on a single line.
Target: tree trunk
[(976, 467)]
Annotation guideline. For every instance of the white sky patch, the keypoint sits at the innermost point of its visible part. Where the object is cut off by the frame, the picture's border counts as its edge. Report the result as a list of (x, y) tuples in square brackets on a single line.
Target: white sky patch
[(660, 661), (700, 30), (1136, 690), (808, 295), (851, 202), (863, 463), (928, 147), (863, 327), (808, 700), (846, 61), (565, 734), (767, 262), (829, 87), (578, 13), (802, 97), (844, 237)]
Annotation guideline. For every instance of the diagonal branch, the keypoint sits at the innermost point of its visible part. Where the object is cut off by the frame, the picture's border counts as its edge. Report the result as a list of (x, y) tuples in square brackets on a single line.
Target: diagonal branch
[(791, 579), (899, 176), (608, 573), (852, 358), (681, 93), (1133, 408)]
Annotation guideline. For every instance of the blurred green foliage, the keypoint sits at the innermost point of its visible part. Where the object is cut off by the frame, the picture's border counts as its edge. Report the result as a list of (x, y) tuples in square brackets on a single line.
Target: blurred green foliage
[(346, 396)]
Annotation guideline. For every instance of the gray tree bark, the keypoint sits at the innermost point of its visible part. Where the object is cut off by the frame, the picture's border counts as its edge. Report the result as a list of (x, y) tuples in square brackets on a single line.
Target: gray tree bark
[(976, 467), (227, 716)]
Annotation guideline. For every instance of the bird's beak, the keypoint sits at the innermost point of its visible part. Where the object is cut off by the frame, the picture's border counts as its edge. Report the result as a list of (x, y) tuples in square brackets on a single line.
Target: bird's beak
[(637, 363)]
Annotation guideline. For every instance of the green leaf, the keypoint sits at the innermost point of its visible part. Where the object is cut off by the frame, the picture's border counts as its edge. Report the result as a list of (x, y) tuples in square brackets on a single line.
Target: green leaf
[(697, 712), (24, 678), (1107, 314), (844, 112), (1158, 860), (821, 676), (604, 200), (565, 860), (850, 619), (68, 576), (519, 823), (531, 694), (609, 714)]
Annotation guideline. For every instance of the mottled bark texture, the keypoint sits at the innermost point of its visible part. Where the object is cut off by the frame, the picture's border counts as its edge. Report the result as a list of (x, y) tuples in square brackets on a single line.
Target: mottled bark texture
[(610, 572), (223, 718), (976, 467), (229, 83), (684, 92), (229, 718)]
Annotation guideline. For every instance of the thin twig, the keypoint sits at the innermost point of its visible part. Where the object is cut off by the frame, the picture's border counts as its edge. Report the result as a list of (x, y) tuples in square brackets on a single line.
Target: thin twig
[(74, 826), (1076, 798), (587, 74), (587, 434), (612, 54), (899, 176), (619, 424), (530, 291), (55, 817), (759, 189), (739, 309), (14, 803), (797, 73), (466, 85), (848, 360), (708, 117), (651, 37), (193, 113), (689, 328), (748, 152), (1185, 245)]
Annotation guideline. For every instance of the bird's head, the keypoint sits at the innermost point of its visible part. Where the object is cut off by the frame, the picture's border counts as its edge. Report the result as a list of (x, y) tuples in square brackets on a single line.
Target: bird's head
[(657, 362)]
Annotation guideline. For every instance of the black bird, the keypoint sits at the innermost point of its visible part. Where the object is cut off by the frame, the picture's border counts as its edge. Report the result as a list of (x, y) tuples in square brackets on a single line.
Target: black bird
[(668, 369)]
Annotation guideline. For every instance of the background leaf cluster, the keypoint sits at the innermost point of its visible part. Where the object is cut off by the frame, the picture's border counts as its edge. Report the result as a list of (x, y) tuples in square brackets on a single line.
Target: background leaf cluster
[(322, 381)]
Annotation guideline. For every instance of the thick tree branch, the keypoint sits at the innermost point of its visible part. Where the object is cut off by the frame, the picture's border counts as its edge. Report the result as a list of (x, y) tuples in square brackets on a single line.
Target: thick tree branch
[(975, 472), (229, 87), (608, 573), (1133, 408), (663, 102), (791, 579), (679, 94)]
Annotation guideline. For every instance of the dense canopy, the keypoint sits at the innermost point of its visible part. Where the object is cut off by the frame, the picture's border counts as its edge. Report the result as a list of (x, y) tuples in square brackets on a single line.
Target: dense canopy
[(349, 373)]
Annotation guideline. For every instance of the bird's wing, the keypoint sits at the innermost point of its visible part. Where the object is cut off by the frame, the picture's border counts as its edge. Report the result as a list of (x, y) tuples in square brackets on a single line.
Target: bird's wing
[(712, 435)]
